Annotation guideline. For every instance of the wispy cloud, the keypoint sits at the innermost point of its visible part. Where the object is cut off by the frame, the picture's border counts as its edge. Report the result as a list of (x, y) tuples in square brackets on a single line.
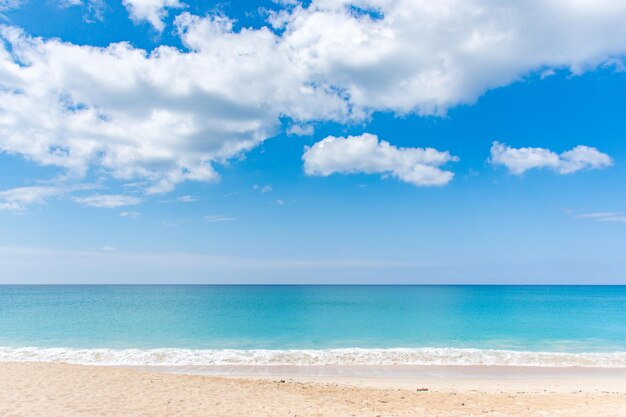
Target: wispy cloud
[(113, 265), (263, 188), (94, 9), (187, 199), (129, 214), (218, 218), (108, 200), (171, 223), (19, 198), (300, 130), (612, 217), (9, 4), (152, 11)]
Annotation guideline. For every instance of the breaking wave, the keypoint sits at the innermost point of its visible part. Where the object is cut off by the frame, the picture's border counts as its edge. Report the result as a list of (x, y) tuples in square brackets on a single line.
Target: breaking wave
[(337, 357)]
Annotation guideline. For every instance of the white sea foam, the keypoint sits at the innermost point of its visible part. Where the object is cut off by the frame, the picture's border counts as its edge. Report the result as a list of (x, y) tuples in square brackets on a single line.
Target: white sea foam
[(337, 357)]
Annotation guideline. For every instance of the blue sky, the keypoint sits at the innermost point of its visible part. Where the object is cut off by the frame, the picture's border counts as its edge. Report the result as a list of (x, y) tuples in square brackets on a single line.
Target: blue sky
[(247, 152)]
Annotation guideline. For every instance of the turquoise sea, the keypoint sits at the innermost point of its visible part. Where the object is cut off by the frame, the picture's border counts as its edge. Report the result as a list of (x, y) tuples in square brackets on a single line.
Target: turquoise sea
[(214, 324)]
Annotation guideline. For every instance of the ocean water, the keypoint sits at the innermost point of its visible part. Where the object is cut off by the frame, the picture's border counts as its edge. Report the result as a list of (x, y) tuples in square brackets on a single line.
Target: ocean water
[(315, 325)]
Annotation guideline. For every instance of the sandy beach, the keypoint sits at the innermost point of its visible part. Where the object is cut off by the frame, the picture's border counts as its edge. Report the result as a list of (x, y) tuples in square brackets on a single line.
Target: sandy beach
[(61, 390)]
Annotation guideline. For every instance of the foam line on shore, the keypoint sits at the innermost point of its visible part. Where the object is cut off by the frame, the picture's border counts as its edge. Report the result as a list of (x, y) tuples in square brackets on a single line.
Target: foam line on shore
[(341, 357)]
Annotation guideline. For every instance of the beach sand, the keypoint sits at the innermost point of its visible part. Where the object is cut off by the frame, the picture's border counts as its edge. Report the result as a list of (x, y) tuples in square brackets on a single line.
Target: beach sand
[(61, 390)]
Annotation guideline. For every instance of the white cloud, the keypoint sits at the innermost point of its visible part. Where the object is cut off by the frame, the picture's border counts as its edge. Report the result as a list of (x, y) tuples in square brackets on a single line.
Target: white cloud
[(520, 160), (426, 56), (152, 11), (583, 157), (169, 115), (69, 3), (365, 154), (300, 130), (21, 197), (263, 188), (161, 118), (107, 200), (612, 217), (94, 8), (187, 199), (18, 199), (9, 4), (129, 214), (218, 218)]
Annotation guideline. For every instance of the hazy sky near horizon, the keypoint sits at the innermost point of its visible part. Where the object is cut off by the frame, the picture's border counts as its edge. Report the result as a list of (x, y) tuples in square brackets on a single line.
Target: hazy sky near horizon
[(372, 141)]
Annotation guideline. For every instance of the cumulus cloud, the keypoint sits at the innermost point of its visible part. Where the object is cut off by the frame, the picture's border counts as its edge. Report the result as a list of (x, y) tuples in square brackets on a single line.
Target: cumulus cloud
[(520, 160), (163, 117), (107, 200), (152, 11), (365, 154), (170, 115), (424, 56)]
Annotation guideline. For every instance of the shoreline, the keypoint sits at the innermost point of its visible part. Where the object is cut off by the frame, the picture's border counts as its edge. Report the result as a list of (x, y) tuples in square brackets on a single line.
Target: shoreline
[(440, 378), (53, 389), (351, 357), (432, 372)]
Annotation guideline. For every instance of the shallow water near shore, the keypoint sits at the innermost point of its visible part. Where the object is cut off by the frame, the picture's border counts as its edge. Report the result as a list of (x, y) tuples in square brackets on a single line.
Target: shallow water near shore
[(315, 325)]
